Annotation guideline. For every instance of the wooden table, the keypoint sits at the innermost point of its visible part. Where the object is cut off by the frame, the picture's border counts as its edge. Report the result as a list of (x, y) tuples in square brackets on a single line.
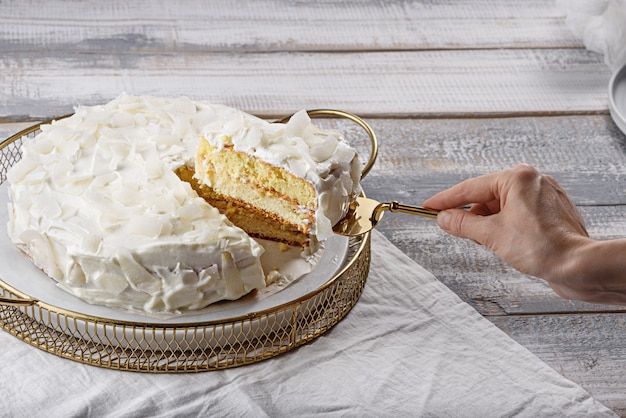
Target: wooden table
[(453, 90)]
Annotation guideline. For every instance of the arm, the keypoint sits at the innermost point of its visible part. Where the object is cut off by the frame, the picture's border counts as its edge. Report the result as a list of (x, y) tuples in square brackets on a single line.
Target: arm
[(527, 220), (596, 273)]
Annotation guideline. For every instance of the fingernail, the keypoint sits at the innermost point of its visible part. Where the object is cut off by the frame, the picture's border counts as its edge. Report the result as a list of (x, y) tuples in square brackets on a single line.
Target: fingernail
[(443, 219)]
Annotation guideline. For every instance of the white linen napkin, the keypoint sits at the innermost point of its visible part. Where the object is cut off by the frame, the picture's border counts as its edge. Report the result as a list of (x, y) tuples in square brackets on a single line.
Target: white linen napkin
[(601, 24), (410, 347)]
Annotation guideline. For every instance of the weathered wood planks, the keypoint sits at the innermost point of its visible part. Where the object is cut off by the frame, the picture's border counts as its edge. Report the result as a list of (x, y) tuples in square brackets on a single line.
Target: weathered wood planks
[(588, 349), (275, 57), (585, 153), (274, 25), (399, 84)]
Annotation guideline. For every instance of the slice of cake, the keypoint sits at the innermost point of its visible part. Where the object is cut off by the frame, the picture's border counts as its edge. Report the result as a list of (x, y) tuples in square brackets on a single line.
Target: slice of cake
[(96, 202), (287, 182)]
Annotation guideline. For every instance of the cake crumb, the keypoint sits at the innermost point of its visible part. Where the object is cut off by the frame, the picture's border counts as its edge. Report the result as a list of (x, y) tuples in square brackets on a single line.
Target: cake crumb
[(273, 276)]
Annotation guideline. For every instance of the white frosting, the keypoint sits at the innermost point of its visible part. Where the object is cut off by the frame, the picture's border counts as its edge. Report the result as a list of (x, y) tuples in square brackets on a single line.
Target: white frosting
[(321, 157), (95, 202), (97, 206)]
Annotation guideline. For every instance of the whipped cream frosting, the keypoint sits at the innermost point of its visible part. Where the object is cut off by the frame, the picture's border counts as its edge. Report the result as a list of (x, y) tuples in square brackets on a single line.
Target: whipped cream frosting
[(322, 157), (95, 202)]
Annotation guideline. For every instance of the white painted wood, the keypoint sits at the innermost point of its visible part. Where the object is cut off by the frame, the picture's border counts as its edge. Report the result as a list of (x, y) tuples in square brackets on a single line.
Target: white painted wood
[(8, 129), (273, 25), (405, 83), (585, 153), (588, 349)]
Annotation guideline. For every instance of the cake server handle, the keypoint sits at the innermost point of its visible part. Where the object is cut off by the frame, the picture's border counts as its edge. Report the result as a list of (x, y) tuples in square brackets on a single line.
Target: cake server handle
[(364, 214)]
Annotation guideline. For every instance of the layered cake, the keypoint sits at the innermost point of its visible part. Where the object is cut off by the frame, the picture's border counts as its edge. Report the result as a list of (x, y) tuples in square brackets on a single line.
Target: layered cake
[(287, 182), (106, 201)]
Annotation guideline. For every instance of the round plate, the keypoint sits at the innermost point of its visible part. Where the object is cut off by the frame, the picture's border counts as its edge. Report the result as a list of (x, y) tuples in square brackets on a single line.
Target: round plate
[(24, 276)]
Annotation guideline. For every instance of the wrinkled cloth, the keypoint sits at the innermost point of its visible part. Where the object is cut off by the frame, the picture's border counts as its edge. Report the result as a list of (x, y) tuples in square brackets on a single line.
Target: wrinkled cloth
[(601, 24), (410, 347)]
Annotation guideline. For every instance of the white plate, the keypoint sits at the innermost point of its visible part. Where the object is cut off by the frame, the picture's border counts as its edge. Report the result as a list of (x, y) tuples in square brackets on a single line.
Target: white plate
[(617, 98), (19, 272)]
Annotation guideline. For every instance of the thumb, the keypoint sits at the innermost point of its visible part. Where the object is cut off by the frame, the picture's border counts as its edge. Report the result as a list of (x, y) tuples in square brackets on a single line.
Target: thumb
[(462, 223)]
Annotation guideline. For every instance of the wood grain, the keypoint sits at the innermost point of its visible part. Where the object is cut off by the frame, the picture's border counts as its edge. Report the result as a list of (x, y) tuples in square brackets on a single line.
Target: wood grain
[(273, 25), (584, 348), (400, 84), (587, 154)]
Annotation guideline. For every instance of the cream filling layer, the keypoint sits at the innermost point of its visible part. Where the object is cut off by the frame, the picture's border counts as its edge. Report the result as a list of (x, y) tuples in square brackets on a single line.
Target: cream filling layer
[(321, 157), (249, 192)]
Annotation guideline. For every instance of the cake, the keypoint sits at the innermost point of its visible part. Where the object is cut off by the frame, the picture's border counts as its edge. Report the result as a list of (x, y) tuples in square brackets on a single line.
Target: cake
[(296, 178), (107, 203)]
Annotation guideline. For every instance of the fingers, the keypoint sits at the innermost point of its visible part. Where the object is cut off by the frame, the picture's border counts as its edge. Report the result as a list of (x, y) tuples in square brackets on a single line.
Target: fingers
[(481, 189), (464, 224), (487, 189)]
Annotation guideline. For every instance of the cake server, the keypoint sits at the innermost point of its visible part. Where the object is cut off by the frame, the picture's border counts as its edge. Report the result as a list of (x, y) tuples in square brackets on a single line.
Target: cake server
[(364, 214)]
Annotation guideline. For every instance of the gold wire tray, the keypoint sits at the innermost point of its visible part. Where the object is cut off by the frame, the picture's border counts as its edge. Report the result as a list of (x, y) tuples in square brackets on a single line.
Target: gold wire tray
[(185, 347)]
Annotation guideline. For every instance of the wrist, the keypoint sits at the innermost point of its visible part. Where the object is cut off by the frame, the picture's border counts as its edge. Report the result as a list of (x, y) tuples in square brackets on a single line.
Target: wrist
[(577, 261), (571, 266), (592, 271)]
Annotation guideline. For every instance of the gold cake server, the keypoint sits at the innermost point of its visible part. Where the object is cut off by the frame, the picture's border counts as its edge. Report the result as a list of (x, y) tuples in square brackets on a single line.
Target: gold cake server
[(364, 214)]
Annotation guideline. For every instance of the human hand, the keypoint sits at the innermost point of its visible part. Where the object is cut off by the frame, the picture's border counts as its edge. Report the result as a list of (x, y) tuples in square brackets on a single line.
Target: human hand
[(524, 217)]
